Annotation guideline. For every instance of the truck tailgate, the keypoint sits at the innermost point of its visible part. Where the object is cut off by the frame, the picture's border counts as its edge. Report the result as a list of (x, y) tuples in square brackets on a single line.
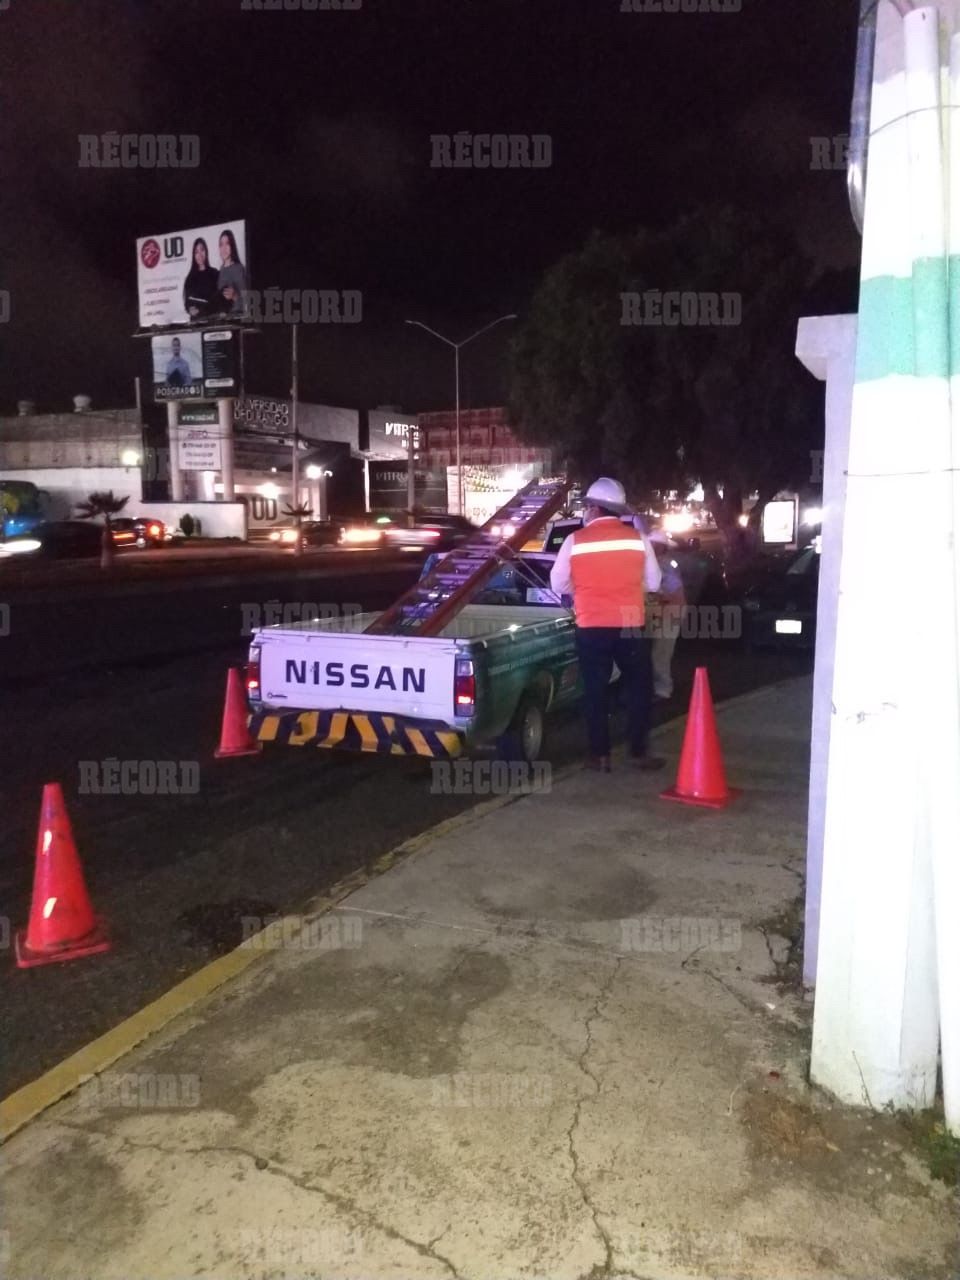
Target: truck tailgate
[(330, 670)]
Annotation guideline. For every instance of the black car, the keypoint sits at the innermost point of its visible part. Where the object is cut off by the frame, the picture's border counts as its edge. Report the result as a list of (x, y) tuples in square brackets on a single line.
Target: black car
[(780, 607), (58, 540), (322, 533)]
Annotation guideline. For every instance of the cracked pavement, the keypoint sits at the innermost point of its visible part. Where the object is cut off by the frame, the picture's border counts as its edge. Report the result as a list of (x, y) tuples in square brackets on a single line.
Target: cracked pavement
[(556, 1046)]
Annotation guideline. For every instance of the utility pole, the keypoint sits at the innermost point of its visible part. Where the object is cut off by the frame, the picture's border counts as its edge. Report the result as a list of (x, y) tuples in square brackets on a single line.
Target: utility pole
[(294, 397), (411, 476)]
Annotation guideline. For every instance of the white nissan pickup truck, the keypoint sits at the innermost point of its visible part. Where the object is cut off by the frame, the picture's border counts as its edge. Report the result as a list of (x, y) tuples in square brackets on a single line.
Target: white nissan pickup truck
[(487, 680)]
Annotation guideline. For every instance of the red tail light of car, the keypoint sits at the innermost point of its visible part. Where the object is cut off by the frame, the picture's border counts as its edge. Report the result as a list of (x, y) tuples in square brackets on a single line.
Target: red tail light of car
[(464, 688), (253, 674)]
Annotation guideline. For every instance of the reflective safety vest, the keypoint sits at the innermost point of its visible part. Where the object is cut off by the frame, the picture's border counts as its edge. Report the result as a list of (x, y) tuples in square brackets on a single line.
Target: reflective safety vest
[(606, 565)]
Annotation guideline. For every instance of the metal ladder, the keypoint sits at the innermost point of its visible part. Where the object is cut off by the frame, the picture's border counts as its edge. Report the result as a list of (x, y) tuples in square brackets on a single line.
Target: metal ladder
[(429, 605)]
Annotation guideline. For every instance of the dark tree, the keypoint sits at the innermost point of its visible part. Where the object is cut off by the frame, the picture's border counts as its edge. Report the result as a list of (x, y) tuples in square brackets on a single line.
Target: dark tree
[(667, 405)]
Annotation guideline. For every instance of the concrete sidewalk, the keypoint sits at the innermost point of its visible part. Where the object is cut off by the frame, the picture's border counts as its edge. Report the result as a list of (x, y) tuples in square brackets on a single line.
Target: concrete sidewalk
[(551, 1044)]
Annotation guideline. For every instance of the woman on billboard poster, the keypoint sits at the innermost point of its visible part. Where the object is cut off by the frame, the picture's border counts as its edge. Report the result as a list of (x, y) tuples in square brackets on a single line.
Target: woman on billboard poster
[(201, 289), (232, 281)]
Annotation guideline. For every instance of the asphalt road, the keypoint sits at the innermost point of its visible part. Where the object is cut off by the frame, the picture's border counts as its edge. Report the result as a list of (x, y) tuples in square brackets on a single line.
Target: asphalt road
[(140, 678), (51, 629)]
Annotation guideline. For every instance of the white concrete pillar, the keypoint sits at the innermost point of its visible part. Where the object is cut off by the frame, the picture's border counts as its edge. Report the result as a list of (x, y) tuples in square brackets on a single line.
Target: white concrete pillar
[(225, 423), (892, 742), (827, 346), (173, 444)]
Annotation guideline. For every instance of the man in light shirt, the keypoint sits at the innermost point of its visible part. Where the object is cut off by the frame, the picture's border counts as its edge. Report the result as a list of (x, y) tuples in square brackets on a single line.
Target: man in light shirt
[(178, 371), (607, 567)]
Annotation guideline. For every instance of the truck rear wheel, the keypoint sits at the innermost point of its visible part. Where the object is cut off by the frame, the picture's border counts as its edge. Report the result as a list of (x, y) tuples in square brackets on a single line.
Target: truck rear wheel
[(523, 740)]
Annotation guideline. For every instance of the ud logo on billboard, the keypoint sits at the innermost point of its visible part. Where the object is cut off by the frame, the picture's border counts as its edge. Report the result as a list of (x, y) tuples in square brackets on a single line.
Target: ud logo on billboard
[(193, 277)]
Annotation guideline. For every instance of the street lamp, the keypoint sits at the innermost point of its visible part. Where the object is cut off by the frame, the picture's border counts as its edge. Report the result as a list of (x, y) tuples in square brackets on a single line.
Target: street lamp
[(456, 364), (294, 415)]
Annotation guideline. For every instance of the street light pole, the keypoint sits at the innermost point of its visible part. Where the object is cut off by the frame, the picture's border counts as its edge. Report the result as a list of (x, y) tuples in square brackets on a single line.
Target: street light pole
[(456, 366), (460, 490), (294, 397)]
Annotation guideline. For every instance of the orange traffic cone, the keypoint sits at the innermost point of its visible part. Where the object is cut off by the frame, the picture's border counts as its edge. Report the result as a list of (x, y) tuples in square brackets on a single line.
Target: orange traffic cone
[(235, 737), (701, 778), (62, 925)]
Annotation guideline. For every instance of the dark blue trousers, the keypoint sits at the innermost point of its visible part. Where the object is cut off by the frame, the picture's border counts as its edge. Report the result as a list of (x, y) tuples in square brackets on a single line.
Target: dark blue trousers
[(598, 648)]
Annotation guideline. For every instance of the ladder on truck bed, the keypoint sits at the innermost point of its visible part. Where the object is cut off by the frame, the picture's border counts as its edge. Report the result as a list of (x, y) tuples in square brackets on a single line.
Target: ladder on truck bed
[(429, 605)]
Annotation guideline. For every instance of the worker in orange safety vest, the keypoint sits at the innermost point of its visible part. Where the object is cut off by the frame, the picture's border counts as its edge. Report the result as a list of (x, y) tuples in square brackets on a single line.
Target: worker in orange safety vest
[(607, 566)]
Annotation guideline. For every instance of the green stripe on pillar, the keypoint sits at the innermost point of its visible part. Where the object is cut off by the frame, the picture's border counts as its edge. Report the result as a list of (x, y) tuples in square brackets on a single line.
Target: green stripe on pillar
[(903, 324)]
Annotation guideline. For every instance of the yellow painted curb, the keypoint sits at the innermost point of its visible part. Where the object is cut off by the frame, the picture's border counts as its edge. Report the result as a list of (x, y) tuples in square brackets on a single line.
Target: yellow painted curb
[(26, 1103)]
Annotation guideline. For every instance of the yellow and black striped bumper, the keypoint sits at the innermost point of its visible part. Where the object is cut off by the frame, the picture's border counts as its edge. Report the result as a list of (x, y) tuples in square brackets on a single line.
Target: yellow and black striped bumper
[(357, 731)]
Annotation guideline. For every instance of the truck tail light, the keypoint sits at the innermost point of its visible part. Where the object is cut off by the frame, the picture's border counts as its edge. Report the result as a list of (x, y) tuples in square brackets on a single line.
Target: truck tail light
[(253, 674), (464, 687)]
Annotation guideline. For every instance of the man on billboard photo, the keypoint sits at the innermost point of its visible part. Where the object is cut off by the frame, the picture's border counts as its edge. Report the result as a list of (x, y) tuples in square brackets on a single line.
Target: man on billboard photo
[(178, 371), (201, 291), (232, 281)]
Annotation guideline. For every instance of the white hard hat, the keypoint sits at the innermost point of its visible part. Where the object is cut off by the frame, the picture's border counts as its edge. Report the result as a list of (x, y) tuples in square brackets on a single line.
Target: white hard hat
[(606, 493)]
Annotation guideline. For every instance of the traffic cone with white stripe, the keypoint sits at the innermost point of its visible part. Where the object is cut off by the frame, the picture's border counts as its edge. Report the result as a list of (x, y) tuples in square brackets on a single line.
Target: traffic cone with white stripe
[(62, 925)]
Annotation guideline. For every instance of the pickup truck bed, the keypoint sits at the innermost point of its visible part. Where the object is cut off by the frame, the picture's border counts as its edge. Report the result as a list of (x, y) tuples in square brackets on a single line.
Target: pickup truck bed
[(492, 669)]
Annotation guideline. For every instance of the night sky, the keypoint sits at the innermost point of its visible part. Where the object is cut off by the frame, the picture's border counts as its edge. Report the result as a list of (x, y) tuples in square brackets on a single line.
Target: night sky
[(315, 127)]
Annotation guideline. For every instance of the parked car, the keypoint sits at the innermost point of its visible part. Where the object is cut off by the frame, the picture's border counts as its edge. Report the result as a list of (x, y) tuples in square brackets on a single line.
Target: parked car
[(780, 606), (56, 540), (138, 531)]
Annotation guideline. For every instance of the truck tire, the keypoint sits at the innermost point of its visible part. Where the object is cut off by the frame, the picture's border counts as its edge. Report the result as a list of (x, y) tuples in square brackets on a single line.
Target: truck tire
[(523, 740)]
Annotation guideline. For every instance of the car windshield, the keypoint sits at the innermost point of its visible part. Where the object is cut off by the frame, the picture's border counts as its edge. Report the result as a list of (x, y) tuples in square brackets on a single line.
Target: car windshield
[(558, 536), (804, 562)]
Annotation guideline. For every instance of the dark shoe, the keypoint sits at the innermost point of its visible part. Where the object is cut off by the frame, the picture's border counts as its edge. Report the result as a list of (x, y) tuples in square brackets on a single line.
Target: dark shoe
[(647, 763), (599, 764)]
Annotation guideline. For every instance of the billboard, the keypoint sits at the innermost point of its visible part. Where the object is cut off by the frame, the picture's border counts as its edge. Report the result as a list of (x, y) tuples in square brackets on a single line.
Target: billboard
[(190, 277), (195, 364), (177, 366), (221, 361)]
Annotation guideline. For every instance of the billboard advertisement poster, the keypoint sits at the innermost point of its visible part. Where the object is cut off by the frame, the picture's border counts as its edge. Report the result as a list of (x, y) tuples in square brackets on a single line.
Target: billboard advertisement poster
[(199, 449), (177, 367), (192, 277), (220, 362)]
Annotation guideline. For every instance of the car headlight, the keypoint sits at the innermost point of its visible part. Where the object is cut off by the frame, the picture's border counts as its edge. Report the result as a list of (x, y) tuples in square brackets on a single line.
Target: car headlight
[(360, 535), (20, 548)]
